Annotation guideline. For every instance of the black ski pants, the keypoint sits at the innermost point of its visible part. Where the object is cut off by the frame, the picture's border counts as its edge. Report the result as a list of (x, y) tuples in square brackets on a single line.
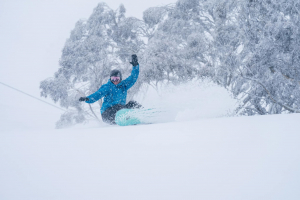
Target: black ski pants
[(108, 116)]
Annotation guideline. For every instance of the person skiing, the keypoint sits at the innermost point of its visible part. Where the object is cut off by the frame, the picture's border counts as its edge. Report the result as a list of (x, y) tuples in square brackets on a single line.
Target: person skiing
[(115, 93)]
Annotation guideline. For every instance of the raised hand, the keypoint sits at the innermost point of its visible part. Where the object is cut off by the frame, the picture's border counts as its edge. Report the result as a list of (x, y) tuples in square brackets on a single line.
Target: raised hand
[(134, 61)]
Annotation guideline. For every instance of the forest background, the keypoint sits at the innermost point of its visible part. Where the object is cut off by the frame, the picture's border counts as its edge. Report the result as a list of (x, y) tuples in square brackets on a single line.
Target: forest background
[(251, 48)]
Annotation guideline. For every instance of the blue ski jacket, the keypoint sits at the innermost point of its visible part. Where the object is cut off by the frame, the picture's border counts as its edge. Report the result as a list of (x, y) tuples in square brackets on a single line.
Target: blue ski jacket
[(114, 94)]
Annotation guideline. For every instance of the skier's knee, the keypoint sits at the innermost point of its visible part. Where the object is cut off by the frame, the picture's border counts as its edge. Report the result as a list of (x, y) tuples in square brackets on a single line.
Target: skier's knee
[(133, 104)]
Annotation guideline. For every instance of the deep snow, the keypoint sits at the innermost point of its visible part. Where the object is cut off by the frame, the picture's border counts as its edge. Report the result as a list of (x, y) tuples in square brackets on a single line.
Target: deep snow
[(225, 158), (200, 158)]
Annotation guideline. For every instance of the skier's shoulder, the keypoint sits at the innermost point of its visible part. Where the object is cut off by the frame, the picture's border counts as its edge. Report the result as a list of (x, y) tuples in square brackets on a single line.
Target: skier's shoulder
[(105, 86)]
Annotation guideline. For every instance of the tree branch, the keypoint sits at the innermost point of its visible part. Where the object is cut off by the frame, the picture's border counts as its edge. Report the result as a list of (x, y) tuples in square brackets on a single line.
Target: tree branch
[(270, 95)]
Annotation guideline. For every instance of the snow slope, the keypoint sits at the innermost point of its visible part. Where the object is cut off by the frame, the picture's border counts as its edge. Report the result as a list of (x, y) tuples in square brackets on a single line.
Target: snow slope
[(222, 158), (196, 156)]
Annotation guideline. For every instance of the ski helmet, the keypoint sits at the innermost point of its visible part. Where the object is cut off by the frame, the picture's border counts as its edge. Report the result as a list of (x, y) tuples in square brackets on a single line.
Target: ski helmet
[(116, 72)]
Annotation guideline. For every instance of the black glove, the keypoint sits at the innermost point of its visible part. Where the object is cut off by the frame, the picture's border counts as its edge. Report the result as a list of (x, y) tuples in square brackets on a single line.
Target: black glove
[(134, 61), (83, 99)]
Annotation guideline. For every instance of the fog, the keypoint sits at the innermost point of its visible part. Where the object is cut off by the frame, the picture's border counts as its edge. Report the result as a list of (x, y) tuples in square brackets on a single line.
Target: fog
[(33, 33)]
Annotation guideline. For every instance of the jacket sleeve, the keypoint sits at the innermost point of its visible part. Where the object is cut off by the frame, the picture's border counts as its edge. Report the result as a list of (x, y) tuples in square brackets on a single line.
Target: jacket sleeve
[(130, 81), (98, 95)]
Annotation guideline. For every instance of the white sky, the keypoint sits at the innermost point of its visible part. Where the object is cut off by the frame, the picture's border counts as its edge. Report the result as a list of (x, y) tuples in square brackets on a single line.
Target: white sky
[(33, 33)]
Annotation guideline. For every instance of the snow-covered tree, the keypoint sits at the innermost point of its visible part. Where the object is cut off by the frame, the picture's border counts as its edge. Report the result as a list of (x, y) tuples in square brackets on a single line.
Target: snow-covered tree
[(103, 42), (249, 47), (267, 72), (176, 49)]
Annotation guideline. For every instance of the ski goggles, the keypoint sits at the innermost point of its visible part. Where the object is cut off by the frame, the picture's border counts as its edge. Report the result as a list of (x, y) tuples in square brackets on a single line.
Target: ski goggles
[(115, 78)]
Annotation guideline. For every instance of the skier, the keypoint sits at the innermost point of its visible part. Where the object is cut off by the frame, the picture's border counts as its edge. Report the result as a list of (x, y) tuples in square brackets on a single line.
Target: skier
[(115, 93)]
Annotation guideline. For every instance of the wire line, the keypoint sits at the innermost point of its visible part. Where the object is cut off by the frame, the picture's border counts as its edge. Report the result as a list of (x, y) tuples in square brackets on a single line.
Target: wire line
[(31, 96)]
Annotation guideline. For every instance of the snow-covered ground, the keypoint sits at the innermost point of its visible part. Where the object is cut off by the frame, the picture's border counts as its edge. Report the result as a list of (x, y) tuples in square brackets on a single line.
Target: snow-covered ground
[(201, 158)]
